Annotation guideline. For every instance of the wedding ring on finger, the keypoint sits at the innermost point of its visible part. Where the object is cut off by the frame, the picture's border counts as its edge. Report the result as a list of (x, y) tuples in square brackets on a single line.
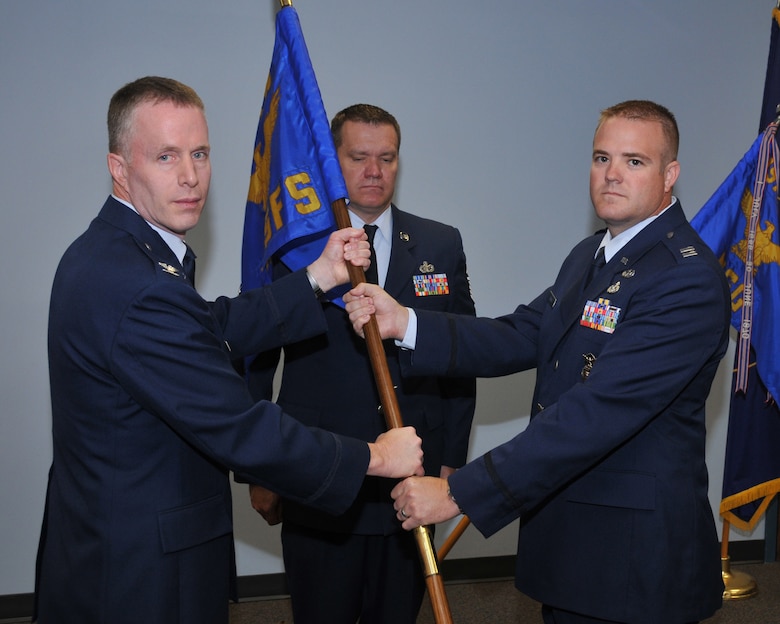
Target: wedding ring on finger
[(403, 513)]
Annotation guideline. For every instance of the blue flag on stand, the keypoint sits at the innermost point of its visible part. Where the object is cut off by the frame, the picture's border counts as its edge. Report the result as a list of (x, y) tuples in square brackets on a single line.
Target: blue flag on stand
[(740, 224), (771, 100), (295, 170), (751, 475)]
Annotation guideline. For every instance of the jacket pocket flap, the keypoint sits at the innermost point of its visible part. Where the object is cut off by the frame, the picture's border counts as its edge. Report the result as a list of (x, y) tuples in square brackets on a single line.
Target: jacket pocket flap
[(632, 490), (184, 527)]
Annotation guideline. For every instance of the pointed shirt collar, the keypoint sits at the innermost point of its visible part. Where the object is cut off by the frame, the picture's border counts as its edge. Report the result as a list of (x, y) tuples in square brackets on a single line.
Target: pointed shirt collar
[(612, 245)]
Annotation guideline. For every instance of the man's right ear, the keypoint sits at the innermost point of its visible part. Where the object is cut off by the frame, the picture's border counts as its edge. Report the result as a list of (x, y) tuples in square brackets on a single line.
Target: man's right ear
[(117, 167)]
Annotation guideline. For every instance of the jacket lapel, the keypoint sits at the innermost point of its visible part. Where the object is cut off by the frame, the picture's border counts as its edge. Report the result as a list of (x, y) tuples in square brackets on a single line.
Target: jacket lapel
[(572, 298), (124, 218), (403, 265)]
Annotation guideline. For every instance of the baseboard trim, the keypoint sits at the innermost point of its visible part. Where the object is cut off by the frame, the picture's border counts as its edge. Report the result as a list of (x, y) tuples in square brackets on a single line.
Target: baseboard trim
[(267, 586), (747, 551), (16, 606), (452, 571)]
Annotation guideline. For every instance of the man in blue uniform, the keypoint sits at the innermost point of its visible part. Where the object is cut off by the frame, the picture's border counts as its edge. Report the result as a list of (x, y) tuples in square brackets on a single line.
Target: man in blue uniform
[(608, 480), (361, 564), (148, 412)]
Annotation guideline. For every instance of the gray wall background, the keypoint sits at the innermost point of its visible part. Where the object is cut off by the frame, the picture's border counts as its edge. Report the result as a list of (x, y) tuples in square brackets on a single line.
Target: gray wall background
[(497, 102)]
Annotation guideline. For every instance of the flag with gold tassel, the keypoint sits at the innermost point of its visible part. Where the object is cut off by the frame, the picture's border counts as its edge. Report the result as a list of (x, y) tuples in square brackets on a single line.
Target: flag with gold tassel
[(740, 223)]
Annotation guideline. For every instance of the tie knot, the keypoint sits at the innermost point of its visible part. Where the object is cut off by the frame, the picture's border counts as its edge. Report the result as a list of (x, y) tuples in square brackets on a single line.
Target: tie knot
[(188, 264), (600, 260), (595, 266), (371, 232), (372, 273)]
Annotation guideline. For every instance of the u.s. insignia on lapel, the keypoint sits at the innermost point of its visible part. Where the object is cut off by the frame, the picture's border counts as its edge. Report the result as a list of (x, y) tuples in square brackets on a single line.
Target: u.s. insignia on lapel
[(170, 269), (431, 284)]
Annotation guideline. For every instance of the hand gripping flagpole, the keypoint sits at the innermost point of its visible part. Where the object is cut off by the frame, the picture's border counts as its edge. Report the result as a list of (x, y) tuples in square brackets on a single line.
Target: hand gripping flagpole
[(392, 413)]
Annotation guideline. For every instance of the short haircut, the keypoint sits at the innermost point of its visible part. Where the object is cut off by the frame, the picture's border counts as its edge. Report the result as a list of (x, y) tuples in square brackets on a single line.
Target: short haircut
[(645, 110), (148, 89), (363, 113)]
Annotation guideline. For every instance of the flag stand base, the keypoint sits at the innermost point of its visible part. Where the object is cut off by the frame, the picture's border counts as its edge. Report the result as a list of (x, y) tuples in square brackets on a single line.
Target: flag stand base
[(739, 585)]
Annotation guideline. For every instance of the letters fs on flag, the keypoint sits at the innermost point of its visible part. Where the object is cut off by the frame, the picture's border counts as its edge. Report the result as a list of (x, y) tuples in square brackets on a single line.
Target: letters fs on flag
[(739, 223), (295, 174)]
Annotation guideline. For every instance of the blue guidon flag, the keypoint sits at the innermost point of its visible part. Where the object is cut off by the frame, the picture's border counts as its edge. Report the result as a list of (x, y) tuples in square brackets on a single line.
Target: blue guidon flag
[(295, 170), (740, 223)]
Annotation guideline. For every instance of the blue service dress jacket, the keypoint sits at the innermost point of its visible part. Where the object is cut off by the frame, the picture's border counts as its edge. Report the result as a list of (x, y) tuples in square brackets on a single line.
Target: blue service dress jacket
[(609, 479), (149, 416), (327, 380)]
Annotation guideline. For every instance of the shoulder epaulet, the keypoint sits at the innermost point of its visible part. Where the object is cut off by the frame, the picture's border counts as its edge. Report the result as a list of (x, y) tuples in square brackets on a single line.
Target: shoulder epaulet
[(688, 251)]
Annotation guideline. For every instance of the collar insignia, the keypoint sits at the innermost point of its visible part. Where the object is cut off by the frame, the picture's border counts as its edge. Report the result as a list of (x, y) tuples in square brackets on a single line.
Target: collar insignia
[(172, 270)]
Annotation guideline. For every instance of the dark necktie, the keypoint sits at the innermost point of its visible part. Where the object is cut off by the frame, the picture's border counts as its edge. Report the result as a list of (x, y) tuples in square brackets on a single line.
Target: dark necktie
[(189, 265), (372, 276), (598, 263)]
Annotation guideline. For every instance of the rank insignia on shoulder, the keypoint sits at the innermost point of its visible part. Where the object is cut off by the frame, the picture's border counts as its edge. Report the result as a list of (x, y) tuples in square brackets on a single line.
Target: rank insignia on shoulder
[(600, 315), (427, 285), (689, 251), (170, 269)]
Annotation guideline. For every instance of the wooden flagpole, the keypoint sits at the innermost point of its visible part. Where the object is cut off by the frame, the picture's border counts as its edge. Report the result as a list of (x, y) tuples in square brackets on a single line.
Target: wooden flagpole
[(392, 413), (453, 537)]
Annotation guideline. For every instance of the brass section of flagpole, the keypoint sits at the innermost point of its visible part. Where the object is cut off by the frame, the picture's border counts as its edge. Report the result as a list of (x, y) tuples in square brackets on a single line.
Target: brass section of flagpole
[(392, 414), (737, 585), (285, 3)]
